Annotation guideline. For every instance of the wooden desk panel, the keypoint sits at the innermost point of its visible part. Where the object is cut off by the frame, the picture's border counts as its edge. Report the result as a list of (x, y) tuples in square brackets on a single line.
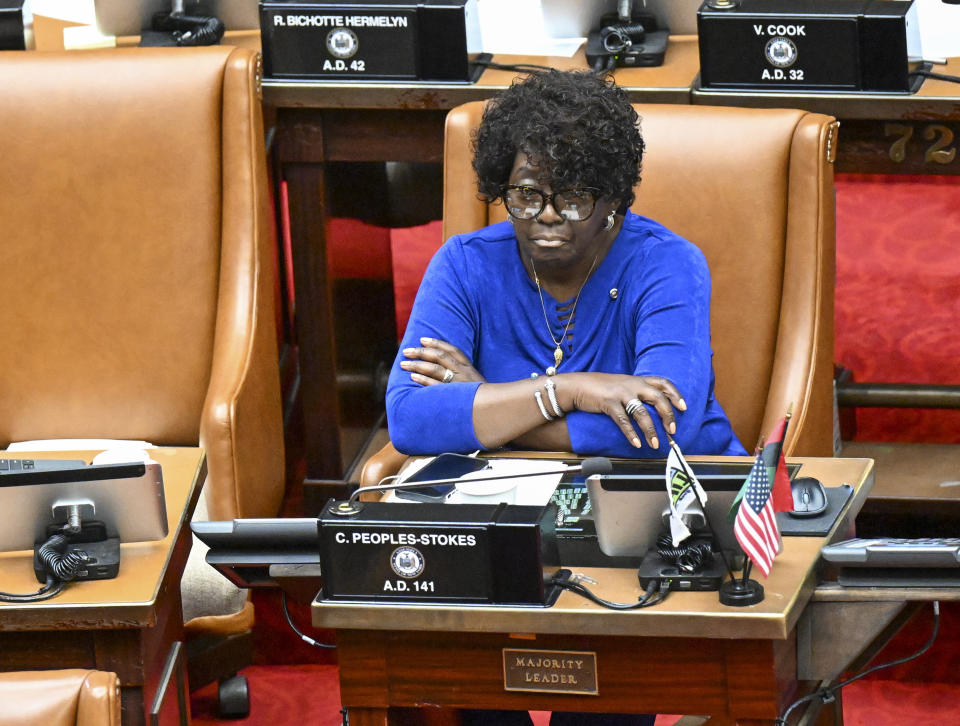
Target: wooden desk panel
[(636, 675), (934, 100), (126, 625), (669, 83)]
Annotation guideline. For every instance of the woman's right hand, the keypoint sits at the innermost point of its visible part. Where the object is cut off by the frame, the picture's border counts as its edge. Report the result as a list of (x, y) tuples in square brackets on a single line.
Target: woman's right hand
[(609, 393), (437, 361)]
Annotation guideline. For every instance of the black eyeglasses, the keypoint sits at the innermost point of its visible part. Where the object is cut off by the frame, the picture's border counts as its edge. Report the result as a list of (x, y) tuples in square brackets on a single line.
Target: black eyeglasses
[(524, 202)]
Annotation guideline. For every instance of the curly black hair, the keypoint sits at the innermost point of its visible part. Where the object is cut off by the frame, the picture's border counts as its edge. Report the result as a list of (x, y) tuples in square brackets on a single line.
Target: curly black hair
[(577, 126)]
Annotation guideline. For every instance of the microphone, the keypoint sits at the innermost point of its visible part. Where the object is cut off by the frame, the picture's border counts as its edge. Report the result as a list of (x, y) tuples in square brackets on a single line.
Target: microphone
[(596, 465), (591, 466)]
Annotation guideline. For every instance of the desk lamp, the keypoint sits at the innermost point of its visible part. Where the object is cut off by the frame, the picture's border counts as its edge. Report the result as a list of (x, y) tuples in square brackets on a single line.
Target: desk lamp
[(176, 27)]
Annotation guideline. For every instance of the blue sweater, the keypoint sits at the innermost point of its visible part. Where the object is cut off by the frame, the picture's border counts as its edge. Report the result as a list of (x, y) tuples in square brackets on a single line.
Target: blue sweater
[(477, 296)]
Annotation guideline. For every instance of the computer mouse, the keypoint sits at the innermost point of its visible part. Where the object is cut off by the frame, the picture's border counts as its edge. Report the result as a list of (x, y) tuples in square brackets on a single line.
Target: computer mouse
[(809, 497)]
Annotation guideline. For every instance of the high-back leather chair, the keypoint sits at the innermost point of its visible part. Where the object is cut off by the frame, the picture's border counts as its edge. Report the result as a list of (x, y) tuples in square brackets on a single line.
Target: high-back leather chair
[(753, 189), (136, 244), (72, 697)]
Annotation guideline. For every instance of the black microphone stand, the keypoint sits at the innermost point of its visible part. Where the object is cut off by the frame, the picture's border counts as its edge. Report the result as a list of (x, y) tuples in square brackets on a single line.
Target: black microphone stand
[(742, 591)]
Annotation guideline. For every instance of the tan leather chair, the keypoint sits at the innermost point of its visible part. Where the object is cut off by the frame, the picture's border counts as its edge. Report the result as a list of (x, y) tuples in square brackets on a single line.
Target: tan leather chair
[(139, 290), (753, 188), (73, 697)]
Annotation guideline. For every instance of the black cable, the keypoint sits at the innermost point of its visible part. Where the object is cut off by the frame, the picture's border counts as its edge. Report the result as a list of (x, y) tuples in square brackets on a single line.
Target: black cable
[(304, 638), (604, 64), (519, 67), (935, 76), (52, 588), (188, 29), (826, 694), (61, 567), (648, 599), (58, 561), (688, 556)]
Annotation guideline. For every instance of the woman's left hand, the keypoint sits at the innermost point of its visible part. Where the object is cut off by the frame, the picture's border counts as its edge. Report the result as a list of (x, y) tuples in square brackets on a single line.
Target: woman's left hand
[(437, 361)]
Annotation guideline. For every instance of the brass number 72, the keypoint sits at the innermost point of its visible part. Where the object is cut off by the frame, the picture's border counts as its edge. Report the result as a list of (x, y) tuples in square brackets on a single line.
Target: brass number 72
[(936, 153)]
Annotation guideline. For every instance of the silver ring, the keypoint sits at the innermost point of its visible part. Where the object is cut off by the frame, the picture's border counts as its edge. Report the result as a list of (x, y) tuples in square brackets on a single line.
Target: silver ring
[(448, 376), (633, 405)]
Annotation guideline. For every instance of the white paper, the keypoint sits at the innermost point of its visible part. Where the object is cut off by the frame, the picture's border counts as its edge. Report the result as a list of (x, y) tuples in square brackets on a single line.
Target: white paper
[(76, 11), (939, 29), (517, 27), (78, 445), (112, 451), (86, 36), (530, 490)]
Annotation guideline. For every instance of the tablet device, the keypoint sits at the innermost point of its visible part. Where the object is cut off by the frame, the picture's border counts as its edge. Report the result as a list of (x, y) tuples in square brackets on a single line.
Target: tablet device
[(628, 508), (443, 466), (127, 498)]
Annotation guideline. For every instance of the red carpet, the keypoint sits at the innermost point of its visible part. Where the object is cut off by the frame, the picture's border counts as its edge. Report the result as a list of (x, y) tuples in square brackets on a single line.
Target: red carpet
[(300, 695), (280, 695)]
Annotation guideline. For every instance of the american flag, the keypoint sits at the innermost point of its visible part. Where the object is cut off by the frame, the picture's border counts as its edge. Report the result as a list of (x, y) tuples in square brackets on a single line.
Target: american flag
[(756, 524)]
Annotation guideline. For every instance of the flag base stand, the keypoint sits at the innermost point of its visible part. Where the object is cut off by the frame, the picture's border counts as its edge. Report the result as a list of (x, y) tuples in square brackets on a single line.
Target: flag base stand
[(741, 593)]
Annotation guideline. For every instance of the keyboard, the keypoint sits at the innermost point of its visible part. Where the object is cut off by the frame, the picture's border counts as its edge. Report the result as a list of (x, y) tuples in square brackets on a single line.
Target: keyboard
[(18, 466), (573, 511), (928, 552)]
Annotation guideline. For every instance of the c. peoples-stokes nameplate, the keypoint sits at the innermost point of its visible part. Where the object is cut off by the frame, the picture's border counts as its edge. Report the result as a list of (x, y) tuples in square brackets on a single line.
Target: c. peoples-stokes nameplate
[(496, 554)]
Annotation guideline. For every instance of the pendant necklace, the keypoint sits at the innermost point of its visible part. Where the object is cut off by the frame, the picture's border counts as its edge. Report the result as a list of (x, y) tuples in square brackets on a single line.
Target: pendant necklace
[(558, 351)]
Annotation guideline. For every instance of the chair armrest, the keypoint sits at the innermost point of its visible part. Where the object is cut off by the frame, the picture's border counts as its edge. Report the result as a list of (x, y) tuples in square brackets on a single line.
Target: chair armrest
[(221, 625), (99, 702), (69, 697), (385, 462)]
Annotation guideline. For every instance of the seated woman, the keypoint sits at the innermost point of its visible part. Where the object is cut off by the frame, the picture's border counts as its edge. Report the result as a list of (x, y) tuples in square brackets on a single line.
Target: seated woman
[(576, 325)]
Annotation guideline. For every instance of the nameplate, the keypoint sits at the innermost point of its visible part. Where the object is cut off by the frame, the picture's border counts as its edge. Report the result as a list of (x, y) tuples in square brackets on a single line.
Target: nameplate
[(550, 671)]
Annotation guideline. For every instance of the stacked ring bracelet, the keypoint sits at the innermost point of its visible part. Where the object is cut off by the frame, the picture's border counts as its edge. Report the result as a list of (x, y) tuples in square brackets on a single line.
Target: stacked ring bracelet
[(552, 396), (543, 409)]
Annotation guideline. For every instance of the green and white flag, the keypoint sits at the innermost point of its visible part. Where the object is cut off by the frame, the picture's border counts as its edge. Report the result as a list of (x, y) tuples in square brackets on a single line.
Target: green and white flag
[(684, 492)]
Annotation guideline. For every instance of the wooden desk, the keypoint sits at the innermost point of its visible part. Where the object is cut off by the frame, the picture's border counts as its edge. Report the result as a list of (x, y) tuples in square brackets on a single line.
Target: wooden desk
[(688, 654), (328, 121), (128, 625), (917, 490)]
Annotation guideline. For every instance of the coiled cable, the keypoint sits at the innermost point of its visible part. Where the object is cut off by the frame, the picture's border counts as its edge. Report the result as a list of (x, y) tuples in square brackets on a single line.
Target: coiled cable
[(61, 566), (58, 561), (190, 30), (689, 558), (616, 38)]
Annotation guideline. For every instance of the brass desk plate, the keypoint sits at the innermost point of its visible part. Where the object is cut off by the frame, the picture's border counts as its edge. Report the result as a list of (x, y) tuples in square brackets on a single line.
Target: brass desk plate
[(550, 671)]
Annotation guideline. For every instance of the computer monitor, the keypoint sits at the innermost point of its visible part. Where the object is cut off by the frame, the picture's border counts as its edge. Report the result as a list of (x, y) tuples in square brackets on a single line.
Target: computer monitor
[(628, 508), (127, 498), (129, 17)]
